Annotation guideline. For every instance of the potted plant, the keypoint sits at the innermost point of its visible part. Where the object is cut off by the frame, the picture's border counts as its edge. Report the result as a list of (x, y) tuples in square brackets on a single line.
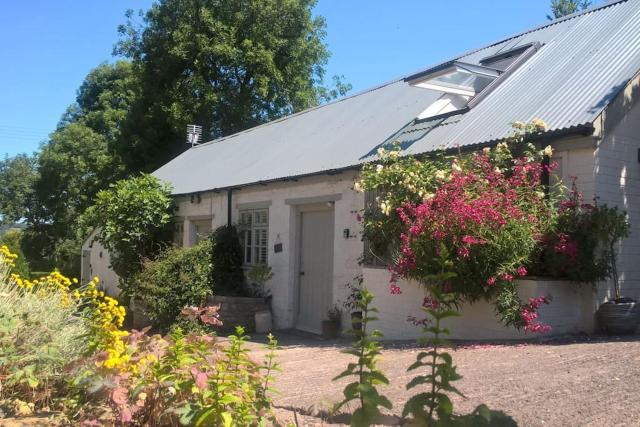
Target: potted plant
[(259, 275), (331, 326), (620, 315), (351, 304)]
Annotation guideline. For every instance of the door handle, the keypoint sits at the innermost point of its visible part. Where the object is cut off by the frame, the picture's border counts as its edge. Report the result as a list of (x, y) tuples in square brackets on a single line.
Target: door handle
[(302, 273)]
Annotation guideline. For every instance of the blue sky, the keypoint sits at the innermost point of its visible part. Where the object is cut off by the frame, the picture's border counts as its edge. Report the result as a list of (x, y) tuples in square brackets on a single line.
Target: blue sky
[(47, 47)]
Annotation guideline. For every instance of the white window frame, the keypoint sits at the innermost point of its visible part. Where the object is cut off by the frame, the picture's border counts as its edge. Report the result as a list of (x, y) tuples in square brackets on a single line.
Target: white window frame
[(254, 235)]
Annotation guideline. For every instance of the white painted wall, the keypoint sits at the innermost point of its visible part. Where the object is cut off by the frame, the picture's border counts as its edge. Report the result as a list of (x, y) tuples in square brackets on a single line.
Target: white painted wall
[(571, 310), (96, 262), (617, 178)]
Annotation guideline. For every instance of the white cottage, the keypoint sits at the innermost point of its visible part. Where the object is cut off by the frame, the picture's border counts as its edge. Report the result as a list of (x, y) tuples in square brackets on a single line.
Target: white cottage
[(294, 177)]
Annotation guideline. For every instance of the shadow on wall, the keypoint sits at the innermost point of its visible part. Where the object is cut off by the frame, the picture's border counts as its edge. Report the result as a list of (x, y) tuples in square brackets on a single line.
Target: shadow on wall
[(617, 177)]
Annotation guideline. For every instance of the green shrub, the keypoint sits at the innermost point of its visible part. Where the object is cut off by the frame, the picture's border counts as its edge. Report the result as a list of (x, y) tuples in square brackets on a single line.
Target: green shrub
[(179, 277), (12, 239), (227, 275)]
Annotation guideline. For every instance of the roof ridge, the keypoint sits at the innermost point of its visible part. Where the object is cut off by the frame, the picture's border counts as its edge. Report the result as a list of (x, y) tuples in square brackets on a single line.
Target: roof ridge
[(607, 4)]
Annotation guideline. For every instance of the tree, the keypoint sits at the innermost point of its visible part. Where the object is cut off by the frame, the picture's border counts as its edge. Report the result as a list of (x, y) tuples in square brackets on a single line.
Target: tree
[(226, 65), (132, 216), (17, 176), (77, 162), (560, 8), (72, 168)]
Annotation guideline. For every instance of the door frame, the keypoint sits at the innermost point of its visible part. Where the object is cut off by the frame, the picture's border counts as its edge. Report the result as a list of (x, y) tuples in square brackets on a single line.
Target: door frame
[(300, 209)]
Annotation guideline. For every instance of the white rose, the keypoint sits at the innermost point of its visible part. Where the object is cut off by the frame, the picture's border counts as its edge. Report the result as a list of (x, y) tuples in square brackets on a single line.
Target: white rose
[(381, 151), (548, 151), (440, 175), (486, 150), (386, 208), (539, 124), (358, 187), (379, 168), (456, 167)]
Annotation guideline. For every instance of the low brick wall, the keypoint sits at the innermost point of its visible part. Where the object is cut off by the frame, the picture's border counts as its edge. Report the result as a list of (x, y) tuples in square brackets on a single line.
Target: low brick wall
[(238, 311)]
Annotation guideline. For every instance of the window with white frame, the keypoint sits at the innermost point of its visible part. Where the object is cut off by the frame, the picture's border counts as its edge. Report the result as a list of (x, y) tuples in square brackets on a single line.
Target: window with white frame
[(254, 234)]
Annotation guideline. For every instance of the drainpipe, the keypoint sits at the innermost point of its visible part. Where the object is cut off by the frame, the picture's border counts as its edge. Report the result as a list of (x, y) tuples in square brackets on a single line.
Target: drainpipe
[(229, 196)]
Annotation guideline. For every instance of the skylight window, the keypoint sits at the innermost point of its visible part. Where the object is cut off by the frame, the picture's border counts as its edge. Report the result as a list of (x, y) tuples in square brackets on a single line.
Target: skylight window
[(458, 78), (464, 85)]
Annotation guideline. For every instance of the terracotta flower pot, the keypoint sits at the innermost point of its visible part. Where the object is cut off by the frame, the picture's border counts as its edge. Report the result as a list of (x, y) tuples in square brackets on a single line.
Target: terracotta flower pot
[(619, 317), (330, 329)]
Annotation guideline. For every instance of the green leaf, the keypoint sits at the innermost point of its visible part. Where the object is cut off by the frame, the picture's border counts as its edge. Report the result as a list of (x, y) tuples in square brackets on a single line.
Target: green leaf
[(445, 406)]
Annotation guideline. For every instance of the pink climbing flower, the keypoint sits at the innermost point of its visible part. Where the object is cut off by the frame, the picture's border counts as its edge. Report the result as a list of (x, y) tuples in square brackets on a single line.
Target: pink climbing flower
[(394, 289), (522, 271)]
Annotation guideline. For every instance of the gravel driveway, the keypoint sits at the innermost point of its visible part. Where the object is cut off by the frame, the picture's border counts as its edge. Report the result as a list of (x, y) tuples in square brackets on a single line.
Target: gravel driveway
[(569, 382)]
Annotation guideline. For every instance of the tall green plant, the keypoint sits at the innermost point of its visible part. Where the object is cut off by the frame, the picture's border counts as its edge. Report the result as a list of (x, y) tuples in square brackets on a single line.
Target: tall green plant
[(439, 371), (367, 350), (132, 216), (434, 407)]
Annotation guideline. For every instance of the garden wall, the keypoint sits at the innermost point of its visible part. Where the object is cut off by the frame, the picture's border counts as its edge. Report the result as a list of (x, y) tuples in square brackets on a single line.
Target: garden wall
[(238, 311), (571, 310)]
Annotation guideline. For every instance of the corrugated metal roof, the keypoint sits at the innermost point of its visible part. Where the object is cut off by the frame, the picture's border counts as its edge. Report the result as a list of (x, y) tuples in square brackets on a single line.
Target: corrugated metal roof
[(584, 61)]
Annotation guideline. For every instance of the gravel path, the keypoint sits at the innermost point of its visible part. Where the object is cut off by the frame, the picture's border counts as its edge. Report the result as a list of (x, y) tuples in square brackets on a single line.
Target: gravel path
[(572, 382)]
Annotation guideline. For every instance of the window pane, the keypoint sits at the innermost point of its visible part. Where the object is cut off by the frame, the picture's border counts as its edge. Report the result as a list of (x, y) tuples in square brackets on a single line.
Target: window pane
[(255, 235)]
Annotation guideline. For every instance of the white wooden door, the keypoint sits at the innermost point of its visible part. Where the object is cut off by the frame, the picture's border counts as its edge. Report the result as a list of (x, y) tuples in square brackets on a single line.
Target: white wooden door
[(315, 269)]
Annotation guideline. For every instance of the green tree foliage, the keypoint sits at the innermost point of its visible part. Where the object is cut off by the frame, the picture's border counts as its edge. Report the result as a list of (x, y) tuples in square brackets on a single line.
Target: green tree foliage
[(227, 276), (12, 239), (367, 349), (132, 215), (77, 162), (560, 8), (73, 167), (17, 177), (226, 65)]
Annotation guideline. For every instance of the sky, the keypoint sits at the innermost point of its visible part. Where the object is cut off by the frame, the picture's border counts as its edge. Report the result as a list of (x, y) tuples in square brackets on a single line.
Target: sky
[(48, 47)]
